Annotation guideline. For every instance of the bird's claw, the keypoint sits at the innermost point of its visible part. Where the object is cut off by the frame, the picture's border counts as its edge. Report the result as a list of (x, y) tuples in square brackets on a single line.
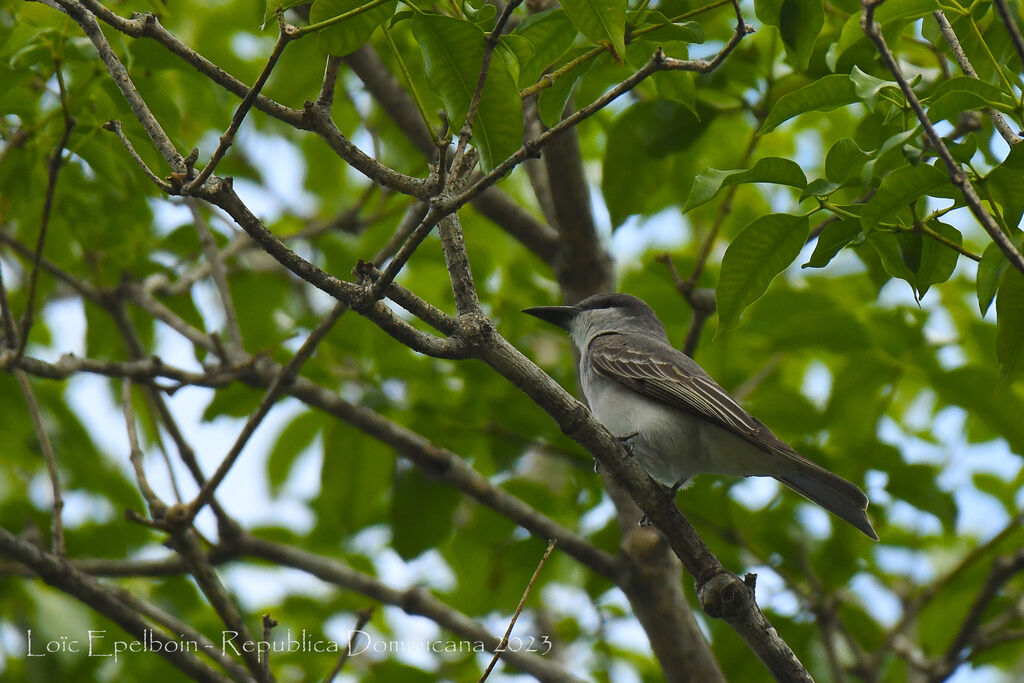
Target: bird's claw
[(644, 522), (627, 442)]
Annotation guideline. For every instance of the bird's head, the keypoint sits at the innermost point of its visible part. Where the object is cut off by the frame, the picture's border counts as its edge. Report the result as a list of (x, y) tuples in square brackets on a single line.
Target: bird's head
[(599, 314)]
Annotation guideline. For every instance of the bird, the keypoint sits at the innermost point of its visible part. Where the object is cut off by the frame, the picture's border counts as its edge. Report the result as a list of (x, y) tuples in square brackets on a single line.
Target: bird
[(673, 416)]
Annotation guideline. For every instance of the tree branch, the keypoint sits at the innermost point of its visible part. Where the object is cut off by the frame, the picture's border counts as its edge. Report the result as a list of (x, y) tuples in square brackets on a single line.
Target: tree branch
[(965, 65), (1011, 26), (59, 573), (722, 594), (416, 601), (53, 168), (956, 174), (154, 130), (57, 524), (286, 34)]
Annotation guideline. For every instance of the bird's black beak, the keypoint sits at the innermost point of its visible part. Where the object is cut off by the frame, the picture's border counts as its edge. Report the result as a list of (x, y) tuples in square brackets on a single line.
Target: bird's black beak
[(556, 315)]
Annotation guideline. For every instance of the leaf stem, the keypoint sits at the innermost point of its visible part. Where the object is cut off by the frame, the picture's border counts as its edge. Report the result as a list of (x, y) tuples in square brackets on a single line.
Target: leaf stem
[(311, 28), (409, 82), (548, 80)]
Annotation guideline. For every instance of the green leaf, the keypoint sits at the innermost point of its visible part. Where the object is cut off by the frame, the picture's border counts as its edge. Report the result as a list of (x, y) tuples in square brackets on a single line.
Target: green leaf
[(350, 34), (898, 190), (235, 400), (421, 512), (917, 258), (844, 160), (656, 27), (480, 13), (915, 483), (551, 34), (552, 101), (799, 23), (602, 21), (888, 155), (452, 53), (635, 156), (271, 7), (950, 106), (977, 389), (513, 51), (1005, 181), (679, 86), (824, 94), (767, 170), (293, 439), (797, 319), (995, 486), (760, 251), (990, 273), (819, 187), (831, 240), (1010, 325), (868, 86), (895, 10), (983, 89), (963, 151), (355, 480)]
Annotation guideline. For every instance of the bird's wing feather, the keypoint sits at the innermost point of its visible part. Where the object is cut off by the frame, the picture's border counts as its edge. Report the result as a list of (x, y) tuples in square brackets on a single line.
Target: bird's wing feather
[(665, 374)]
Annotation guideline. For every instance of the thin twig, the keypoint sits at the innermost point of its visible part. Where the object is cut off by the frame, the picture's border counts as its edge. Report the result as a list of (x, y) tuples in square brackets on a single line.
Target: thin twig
[(362, 619), (114, 126), (467, 126), (326, 23), (57, 523), (965, 65), (548, 79), (220, 280), (277, 388), (286, 34), (658, 62), (456, 260), (415, 601), (53, 168), (326, 96), (522, 601), (157, 508), (1003, 569), (61, 574), (701, 300), (956, 174), (154, 130), (268, 625), (913, 607), (7, 324), (1011, 26)]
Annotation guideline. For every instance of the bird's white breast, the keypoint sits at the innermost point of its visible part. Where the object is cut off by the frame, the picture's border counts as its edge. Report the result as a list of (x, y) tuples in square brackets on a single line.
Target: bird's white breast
[(671, 444)]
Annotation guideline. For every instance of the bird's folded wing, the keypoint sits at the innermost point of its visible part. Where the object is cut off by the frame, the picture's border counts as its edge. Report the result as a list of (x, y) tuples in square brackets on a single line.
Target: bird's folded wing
[(665, 374)]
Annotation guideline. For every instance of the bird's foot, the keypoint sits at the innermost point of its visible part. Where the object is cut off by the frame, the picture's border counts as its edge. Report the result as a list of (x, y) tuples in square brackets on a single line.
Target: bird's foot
[(669, 491), (597, 466), (627, 442)]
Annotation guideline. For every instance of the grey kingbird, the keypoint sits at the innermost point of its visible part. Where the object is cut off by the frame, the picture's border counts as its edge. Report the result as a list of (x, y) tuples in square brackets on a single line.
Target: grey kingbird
[(673, 416)]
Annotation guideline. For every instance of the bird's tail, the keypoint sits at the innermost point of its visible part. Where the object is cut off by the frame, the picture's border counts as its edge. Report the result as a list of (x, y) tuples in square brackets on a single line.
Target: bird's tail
[(833, 493)]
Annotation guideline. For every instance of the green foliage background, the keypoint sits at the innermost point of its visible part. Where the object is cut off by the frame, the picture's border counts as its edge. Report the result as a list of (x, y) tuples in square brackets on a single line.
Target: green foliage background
[(836, 354)]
